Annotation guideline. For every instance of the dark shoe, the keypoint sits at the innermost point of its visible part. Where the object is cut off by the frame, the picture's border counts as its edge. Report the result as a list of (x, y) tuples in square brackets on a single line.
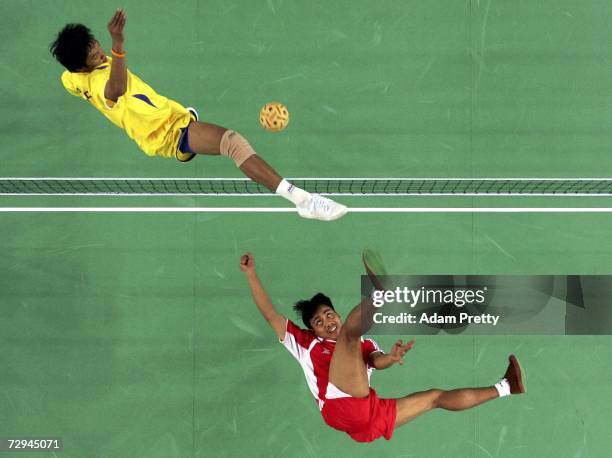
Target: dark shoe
[(514, 376)]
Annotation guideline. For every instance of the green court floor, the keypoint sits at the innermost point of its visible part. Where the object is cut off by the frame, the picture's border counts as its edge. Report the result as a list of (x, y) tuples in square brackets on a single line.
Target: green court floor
[(134, 334)]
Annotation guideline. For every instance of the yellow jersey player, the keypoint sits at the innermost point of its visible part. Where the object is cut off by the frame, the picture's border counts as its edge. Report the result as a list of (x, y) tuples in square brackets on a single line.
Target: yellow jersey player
[(160, 126)]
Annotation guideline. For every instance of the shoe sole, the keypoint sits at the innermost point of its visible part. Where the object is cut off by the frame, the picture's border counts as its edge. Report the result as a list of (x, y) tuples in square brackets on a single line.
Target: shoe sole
[(338, 216), (517, 373), (331, 218)]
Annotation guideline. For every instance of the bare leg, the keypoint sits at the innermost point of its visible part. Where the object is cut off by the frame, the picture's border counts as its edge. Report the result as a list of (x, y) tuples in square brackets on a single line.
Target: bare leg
[(416, 404), (205, 138), (260, 172), (347, 370)]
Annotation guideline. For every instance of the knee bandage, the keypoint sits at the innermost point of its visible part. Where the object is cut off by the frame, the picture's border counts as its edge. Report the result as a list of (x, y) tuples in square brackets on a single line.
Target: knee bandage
[(236, 147)]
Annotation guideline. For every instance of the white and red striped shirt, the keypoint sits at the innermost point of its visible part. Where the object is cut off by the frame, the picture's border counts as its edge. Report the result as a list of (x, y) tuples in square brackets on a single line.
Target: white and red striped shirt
[(314, 355)]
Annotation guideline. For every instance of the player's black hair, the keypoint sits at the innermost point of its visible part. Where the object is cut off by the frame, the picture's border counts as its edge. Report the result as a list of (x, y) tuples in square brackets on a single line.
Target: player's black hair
[(307, 308), (72, 45)]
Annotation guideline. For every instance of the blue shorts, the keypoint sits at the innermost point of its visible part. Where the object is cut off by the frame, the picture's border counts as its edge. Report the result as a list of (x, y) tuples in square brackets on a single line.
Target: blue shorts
[(184, 153)]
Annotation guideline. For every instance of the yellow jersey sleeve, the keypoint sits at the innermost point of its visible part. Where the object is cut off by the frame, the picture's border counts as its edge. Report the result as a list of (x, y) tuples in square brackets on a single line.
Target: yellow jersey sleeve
[(89, 86), (97, 84), (69, 85)]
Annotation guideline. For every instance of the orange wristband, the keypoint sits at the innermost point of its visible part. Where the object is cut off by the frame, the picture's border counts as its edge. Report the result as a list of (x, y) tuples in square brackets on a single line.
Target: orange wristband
[(117, 54)]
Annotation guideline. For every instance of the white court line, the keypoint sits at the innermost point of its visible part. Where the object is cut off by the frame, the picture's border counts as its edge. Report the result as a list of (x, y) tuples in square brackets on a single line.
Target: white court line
[(343, 194), (304, 178), (291, 210)]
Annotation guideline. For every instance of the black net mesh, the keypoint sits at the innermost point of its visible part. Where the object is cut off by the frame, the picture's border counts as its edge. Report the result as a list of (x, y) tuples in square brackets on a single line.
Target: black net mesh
[(333, 186)]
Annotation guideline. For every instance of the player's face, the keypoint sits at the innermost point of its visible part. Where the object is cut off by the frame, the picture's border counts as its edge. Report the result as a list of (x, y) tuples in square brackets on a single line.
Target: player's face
[(96, 56), (326, 323)]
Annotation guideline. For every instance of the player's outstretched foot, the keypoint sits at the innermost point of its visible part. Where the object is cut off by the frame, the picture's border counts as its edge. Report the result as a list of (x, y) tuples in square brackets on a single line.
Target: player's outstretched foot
[(194, 112), (514, 376), (322, 208)]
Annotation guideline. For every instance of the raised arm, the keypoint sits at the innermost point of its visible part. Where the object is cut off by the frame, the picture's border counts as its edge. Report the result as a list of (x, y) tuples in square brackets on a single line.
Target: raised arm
[(277, 321), (379, 360), (117, 83)]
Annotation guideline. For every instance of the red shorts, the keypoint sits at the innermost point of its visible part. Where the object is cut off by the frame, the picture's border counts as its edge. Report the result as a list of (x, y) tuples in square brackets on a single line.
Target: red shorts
[(364, 419)]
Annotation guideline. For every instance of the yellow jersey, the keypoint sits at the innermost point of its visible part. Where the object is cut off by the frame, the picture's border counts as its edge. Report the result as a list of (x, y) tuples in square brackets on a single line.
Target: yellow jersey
[(153, 121)]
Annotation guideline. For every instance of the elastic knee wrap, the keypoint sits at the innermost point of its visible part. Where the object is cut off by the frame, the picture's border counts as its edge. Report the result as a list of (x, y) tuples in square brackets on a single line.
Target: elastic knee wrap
[(236, 147)]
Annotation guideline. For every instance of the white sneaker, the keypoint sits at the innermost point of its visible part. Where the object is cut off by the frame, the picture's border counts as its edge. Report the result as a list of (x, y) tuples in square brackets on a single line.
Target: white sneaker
[(321, 208)]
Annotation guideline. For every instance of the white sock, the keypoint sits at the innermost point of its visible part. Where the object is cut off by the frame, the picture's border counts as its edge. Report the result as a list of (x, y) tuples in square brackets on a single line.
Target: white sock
[(292, 193), (503, 388)]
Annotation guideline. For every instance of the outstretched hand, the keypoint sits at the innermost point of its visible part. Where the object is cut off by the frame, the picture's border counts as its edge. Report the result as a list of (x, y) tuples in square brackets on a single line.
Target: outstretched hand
[(115, 26), (247, 262), (399, 350)]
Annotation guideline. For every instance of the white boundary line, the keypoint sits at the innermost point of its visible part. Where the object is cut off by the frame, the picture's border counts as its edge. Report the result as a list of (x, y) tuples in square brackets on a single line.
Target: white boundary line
[(369, 194), (291, 210), (304, 178)]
